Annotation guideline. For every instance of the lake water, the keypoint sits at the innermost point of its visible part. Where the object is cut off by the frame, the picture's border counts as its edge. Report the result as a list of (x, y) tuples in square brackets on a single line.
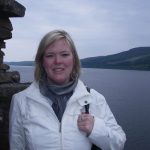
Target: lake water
[(128, 95)]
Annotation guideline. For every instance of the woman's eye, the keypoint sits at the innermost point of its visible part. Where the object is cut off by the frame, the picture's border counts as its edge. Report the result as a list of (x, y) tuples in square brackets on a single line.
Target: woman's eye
[(65, 54), (49, 56)]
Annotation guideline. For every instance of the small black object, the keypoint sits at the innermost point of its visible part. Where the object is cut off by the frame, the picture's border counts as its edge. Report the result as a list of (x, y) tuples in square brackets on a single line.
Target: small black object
[(87, 106), (87, 109)]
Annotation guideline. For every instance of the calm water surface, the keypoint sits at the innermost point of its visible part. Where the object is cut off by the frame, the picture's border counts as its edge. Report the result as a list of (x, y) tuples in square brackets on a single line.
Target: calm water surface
[(128, 95)]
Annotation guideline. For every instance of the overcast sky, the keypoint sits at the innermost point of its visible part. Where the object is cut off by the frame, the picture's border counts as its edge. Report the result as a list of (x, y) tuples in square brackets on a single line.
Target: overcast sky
[(98, 27)]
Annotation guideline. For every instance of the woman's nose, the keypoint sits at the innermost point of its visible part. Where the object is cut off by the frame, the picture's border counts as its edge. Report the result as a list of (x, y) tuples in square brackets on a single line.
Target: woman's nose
[(57, 59)]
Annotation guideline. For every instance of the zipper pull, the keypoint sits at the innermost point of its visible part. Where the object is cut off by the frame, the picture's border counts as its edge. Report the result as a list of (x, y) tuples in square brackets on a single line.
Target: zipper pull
[(86, 107)]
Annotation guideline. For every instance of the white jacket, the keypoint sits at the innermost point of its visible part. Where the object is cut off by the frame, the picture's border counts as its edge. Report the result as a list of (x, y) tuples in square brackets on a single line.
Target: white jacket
[(34, 125)]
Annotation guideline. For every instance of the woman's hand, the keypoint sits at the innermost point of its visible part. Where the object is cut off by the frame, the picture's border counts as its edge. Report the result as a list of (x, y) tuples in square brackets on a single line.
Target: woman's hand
[(85, 123)]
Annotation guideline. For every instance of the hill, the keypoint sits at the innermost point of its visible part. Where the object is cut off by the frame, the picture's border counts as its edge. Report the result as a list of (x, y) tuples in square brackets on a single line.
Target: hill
[(21, 63), (136, 59)]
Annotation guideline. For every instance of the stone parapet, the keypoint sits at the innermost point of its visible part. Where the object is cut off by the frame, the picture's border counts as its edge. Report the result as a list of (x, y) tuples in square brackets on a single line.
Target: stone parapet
[(5, 29), (6, 93), (8, 89), (9, 77), (8, 8), (11, 8), (5, 23), (9, 81), (5, 33), (2, 45)]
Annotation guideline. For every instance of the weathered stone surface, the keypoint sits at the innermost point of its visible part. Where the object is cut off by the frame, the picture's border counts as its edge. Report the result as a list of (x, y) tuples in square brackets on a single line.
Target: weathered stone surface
[(5, 23), (9, 77), (9, 81), (6, 92), (2, 45), (1, 52), (1, 55), (5, 33), (4, 67), (11, 8), (6, 2)]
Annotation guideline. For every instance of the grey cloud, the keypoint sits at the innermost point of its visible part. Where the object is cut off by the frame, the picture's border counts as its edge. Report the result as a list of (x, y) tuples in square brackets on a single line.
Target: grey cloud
[(98, 27)]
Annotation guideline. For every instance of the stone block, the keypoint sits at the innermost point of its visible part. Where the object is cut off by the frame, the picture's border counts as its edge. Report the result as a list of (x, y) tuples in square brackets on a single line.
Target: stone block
[(2, 45), (11, 8), (4, 67), (1, 56), (8, 89), (6, 2), (9, 77), (1, 52), (5, 34), (5, 23), (6, 92)]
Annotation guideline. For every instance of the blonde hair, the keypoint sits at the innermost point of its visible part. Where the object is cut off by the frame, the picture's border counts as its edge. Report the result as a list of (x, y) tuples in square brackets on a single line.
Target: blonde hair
[(47, 40)]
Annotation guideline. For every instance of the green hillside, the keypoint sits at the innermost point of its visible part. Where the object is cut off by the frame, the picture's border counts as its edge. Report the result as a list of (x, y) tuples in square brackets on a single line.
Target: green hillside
[(136, 58)]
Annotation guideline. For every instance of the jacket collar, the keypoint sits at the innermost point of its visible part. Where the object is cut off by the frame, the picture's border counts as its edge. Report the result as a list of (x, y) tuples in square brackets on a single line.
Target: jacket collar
[(81, 95), (33, 92)]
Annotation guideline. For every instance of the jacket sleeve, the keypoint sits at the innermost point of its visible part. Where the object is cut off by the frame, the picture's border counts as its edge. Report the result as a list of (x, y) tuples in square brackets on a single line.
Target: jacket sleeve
[(106, 133), (16, 132)]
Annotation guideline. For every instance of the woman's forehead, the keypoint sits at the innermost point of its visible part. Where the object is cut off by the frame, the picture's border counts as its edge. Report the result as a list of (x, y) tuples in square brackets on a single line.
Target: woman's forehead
[(59, 45)]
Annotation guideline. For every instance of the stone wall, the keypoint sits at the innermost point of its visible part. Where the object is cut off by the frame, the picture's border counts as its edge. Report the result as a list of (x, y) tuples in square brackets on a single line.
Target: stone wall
[(8, 8), (9, 81), (6, 92)]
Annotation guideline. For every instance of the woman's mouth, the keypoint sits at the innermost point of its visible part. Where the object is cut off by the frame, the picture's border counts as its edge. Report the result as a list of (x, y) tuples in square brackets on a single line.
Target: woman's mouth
[(58, 70)]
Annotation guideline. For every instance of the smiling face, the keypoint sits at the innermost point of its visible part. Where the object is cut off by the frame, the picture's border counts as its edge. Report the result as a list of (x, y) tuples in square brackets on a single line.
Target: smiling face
[(58, 62)]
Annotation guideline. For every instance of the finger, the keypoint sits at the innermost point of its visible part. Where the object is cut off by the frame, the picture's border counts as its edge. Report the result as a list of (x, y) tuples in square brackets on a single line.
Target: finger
[(80, 118), (86, 116)]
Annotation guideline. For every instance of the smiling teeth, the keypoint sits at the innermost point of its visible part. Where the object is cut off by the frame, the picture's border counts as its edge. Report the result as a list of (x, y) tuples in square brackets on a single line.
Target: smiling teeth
[(58, 69)]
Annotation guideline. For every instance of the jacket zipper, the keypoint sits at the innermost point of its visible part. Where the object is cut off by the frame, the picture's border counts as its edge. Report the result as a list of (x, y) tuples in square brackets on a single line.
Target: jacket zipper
[(60, 127), (60, 137), (60, 130)]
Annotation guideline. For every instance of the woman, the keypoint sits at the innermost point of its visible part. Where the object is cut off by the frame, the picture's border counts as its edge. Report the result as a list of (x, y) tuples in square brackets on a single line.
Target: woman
[(50, 113)]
